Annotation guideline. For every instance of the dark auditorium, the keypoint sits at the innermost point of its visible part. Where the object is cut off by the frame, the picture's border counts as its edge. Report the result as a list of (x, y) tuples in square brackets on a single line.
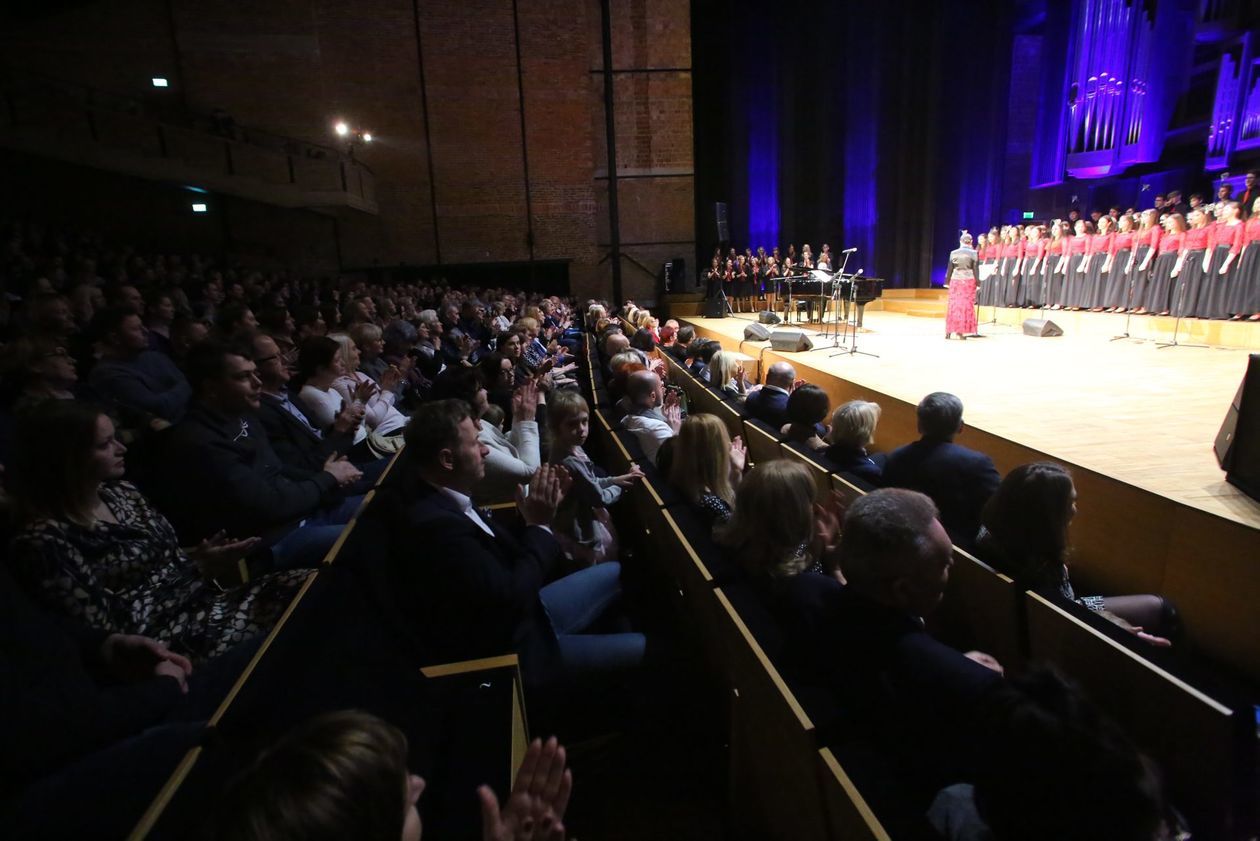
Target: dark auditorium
[(711, 420)]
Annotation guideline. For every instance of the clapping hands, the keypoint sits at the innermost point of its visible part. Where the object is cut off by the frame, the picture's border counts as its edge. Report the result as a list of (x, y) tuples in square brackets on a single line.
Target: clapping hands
[(540, 795), (218, 554)]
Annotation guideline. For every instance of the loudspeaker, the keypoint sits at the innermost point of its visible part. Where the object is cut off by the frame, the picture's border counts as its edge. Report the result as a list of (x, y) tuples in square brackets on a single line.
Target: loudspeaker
[(1238, 443), (1041, 327), (767, 317), (713, 308), (723, 228), (756, 333), (791, 340)]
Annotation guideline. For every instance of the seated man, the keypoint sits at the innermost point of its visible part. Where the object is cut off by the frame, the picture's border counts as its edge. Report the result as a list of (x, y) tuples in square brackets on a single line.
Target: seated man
[(959, 480), (653, 415), (220, 472), (683, 338), (144, 385), (297, 443), (462, 587), (769, 403), (701, 352)]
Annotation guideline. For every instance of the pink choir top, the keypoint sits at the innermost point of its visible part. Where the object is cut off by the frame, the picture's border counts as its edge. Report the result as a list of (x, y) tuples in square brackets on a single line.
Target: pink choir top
[(1152, 238), (992, 251), (1079, 244), (1169, 243), (1197, 239), (1122, 241), (1034, 251), (1057, 247), (1231, 235), (1101, 243), (1010, 249), (1253, 229)]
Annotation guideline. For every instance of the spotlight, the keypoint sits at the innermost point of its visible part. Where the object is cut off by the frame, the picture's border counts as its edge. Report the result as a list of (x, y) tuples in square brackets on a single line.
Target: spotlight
[(342, 129), (367, 137), (198, 207), (160, 82)]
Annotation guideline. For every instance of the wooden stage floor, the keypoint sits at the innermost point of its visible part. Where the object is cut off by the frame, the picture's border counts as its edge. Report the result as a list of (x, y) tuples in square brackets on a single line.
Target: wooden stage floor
[(1140, 414)]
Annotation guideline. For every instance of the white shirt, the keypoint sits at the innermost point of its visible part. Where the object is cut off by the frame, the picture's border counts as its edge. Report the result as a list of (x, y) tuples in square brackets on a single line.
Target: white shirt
[(466, 506)]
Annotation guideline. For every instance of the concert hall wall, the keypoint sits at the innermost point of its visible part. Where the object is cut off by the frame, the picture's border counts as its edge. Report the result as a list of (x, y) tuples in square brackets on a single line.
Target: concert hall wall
[(487, 115)]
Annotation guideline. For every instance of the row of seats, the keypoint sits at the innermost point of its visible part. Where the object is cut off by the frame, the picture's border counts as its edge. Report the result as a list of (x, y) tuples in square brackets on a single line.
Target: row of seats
[(1206, 745), (465, 722)]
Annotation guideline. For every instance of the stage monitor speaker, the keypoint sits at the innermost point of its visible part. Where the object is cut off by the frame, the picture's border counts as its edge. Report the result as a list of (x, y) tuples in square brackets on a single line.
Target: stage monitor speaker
[(756, 333), (723, 227), (791, 340), (767, 317), (1041, 327), (713, 308), (1238, 443)]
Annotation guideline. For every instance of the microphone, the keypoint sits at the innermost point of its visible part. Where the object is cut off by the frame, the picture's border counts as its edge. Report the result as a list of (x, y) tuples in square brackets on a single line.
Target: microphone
[(849, 250)]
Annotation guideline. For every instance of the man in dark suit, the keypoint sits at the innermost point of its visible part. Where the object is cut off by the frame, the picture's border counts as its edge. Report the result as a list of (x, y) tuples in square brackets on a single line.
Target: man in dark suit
[(459, 586), (1250, 192), (895, 685), (295, 440), (219, 471), (959, 480), (769, 403)]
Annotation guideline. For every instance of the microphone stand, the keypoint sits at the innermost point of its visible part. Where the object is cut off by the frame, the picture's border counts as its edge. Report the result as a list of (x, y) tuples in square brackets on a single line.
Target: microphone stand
[(852, 308), (1181, 305)]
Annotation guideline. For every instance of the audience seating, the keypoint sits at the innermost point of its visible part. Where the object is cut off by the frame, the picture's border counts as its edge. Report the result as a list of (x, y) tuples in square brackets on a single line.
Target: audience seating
[(1183, 728)]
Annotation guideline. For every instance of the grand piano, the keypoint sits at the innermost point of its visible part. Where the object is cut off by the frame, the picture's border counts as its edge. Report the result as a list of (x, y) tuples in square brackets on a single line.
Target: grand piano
[(814, 289)]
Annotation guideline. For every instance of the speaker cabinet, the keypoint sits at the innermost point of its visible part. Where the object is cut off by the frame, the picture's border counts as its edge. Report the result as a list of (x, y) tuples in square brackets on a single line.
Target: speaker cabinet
[(1041, 327), (756, 333), (792, 341), (1238, 443), (713, 308), (723, 227), (767, 317)]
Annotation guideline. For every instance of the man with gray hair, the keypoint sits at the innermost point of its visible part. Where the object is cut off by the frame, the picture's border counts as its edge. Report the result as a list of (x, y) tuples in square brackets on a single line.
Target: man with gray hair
[(959, 480), (769, 403)]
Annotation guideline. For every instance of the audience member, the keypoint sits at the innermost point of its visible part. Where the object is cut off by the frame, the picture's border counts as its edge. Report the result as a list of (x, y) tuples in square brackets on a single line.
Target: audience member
[(144, 385), (1025, 535), (512, 457), (708, 467), (92, 548), (678, 348), (701, 352), (1053, 767), (852, 431), (36, 369), (381, 417), (958, 480), (220, 472), (727, 375), (769, 403), (651, 413), (806, 412)]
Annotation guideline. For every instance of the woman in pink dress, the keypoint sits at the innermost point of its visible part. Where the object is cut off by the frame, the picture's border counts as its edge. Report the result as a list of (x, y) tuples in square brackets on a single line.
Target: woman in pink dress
[(960, 280)]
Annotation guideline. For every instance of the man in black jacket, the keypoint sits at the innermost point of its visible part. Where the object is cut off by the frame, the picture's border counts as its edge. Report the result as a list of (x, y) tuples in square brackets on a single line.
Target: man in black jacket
[(959, 480), (220, 472), (459, 586), (296, 441)]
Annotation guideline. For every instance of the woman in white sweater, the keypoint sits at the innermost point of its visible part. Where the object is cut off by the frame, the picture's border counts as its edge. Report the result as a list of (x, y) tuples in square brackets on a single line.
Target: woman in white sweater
[(319, 366), (513, 456), (378, 400)]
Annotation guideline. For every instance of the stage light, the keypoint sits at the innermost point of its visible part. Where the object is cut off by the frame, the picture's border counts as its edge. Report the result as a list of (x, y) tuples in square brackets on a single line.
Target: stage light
[(367, 137), (160, 82), (198, 207), (342, 129)]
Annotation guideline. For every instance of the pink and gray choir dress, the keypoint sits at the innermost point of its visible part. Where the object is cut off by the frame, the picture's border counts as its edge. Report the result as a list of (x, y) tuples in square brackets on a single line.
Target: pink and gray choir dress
[(1115, 289), (1188, 286), (1092, 291), (1244, 299), (1159, 292), (960, 311), (1214, 298), (1144, 243), (1051, 278)]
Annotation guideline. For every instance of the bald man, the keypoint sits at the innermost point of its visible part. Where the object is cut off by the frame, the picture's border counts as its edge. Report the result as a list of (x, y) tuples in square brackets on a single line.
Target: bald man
[(769, 403), (652, 415)]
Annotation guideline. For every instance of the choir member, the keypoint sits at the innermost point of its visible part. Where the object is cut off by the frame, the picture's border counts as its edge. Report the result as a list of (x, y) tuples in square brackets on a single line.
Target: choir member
[(1191, 267), (1215, 298), (1052, 266), (1030, 269), (1115, 294), (1099, 248), (1165, 269), (713, 279), (1074, 265), (1146, 247), (1245, 295)]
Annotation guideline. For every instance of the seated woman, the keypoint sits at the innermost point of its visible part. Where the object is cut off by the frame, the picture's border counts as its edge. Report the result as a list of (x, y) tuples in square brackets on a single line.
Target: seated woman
[(582, 522), (1024, 533), (727, 375), (382, 417), (344, 775), (38, 369), (707, 467), (326, 387), (852, 431), (807, 408), (91, 546)]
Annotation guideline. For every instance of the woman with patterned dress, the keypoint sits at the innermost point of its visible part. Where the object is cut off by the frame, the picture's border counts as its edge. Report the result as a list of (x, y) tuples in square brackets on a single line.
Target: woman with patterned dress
[(1214, 300), (1146, 248), (960, 279), (1164, 271), (1244, 299), (92, 548), (1115, 291)]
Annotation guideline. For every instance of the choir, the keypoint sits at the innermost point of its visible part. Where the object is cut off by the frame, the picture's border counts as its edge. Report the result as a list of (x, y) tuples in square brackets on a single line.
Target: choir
[(1201, 263), (750, 280)]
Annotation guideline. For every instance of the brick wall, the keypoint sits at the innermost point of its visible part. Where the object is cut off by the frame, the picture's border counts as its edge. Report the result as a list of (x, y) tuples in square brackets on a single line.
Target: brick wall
[(296, 66)]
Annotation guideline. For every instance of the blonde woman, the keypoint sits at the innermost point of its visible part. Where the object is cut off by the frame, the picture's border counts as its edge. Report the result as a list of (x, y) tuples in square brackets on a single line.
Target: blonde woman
[(777, 532), (727, 375), (852, 433), (380, 415), (708, 466)]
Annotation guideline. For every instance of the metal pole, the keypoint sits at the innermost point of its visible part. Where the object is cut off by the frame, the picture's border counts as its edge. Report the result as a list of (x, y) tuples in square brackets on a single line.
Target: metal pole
[(610, 130)]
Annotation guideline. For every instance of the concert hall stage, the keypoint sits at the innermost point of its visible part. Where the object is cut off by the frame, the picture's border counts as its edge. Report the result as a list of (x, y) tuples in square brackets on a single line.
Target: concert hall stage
[(1135, 423), (1126, 409)]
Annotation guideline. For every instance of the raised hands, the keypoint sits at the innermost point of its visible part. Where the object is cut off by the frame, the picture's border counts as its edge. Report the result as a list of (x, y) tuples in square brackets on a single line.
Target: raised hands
[(364, 391), (390, 378), (540, 795), (739, 455), (525, 401), (349, 418), (546, 489), (828, 515)]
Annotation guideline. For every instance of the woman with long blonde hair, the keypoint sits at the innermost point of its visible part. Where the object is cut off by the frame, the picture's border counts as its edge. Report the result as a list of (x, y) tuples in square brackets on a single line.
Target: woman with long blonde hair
[(707, 466)]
